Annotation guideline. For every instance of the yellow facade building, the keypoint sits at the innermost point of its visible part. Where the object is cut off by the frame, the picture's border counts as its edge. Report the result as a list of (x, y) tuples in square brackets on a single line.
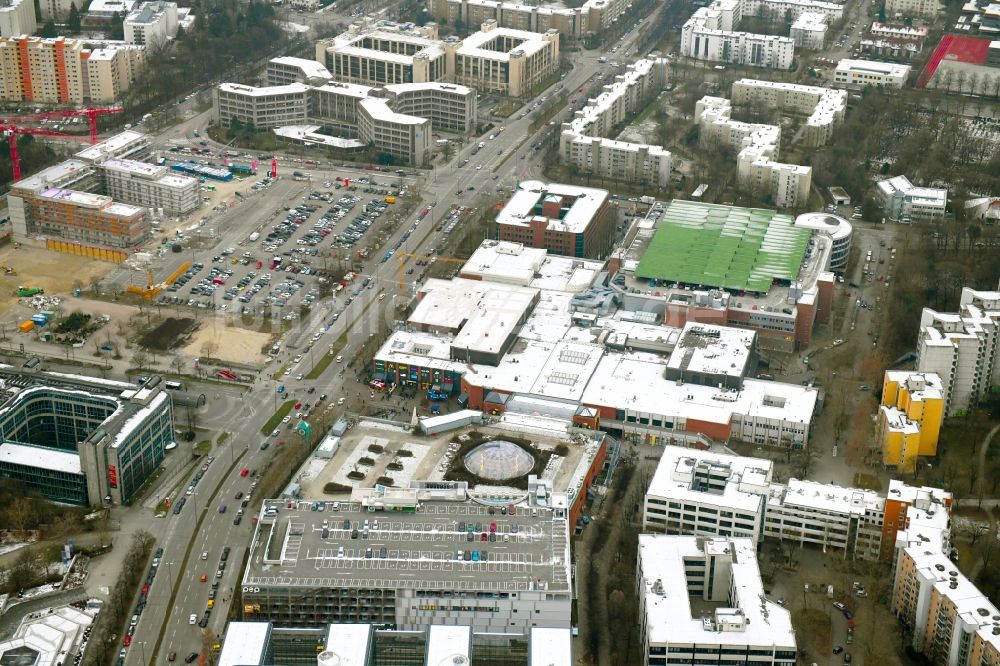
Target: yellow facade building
[(909, 419)]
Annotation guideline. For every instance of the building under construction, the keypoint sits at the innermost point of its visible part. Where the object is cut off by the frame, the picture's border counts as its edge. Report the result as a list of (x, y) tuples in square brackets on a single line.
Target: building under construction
[(101, 197)]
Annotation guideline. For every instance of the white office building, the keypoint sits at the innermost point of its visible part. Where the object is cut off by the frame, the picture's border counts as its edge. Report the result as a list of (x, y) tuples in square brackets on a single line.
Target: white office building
[(265, 108), (151, 23), (289, 69), (861, 73), (382, 56), (503, 60), (961, 347), (743, 625), (901, 200), (17, 17), (707, 494), (583, 142), (448, 106), (151, 186), (404, 136)]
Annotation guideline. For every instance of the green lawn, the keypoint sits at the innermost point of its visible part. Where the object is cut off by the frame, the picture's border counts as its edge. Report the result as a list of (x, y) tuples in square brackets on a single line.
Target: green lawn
[(203, 447), (273, 422)]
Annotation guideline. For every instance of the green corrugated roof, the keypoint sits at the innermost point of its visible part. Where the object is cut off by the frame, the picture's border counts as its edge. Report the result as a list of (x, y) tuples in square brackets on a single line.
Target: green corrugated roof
[(724, 246)]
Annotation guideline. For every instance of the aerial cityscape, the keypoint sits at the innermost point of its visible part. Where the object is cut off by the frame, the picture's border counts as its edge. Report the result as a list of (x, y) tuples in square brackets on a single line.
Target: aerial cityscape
[(500, 333)]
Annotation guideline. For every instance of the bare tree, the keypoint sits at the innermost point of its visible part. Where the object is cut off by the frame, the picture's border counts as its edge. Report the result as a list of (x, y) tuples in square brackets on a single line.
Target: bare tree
[(177, 363)]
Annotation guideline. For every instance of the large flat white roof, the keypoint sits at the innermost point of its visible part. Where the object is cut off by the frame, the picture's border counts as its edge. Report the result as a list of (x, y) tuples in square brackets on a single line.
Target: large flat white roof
[(76, 197), (825, 496), (312, 69), (583, 205), (347, 43), (470, 307), (245, 643), (874, 67), (711, 349), (380, 110), (264, 91), (53, 175), (346, 89), (113, 146), (635, 383), (135, 167), (550, 647), (745, 488), (347, 644), (36, 456), (751, 621), (452, 88), (447, 644), (531, 42)]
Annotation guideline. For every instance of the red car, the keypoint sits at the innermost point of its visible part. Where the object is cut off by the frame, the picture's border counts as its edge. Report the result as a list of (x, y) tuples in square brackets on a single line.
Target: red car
[(493, 527), (145, 588), (127, 641), (298, 405), (244, 472)]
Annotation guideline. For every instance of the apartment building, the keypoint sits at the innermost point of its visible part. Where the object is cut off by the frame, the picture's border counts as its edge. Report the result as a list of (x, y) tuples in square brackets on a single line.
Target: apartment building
[(909, 418), (111, 71), (742, 625), (591, 17), (264, 108), (961, 348), (582, 140), (289, 69), (563, 219), (509, 590), (757, 168), (17, 18), (448, 106), (707, 494), (701, 40), (59, 70), (825, 107), (381, 57), (911, 8), (808, 31), (901, 200), (151, 186), (405, 137), (152, 23), (862, 73), (507, 61)]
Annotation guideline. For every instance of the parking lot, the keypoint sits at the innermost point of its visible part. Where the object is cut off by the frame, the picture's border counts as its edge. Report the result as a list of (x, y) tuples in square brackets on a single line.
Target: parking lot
[(281, 268)]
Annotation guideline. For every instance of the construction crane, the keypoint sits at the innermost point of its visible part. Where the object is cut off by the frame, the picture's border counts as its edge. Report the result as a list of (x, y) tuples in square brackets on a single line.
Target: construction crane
[(12, 127)]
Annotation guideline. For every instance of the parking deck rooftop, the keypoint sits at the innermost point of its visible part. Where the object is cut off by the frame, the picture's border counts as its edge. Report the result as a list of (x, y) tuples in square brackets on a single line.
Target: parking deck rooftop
[(416, 549)]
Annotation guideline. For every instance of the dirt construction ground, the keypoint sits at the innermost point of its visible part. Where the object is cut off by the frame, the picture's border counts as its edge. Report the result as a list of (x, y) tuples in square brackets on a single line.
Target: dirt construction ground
[(230, 343), (55, 272)]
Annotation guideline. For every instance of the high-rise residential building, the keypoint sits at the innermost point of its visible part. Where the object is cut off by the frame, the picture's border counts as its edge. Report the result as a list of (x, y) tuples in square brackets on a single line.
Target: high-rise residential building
[(152, 23), (60, 70), (742, 625), (17, 17), (961, 348), (909, 419)]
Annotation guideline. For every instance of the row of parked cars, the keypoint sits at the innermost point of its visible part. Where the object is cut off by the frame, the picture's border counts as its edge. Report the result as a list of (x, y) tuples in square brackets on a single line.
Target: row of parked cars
[(139, 606)]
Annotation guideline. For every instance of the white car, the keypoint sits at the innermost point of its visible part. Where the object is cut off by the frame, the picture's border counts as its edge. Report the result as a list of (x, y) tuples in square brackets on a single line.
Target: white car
[(299, 376), (340, 401), (286, 419), (340, 359), (297, 358), (479, 167), (193, 619)]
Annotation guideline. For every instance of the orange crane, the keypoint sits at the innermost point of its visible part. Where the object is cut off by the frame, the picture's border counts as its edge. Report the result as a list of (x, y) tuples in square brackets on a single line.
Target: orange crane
[(12, 127)]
